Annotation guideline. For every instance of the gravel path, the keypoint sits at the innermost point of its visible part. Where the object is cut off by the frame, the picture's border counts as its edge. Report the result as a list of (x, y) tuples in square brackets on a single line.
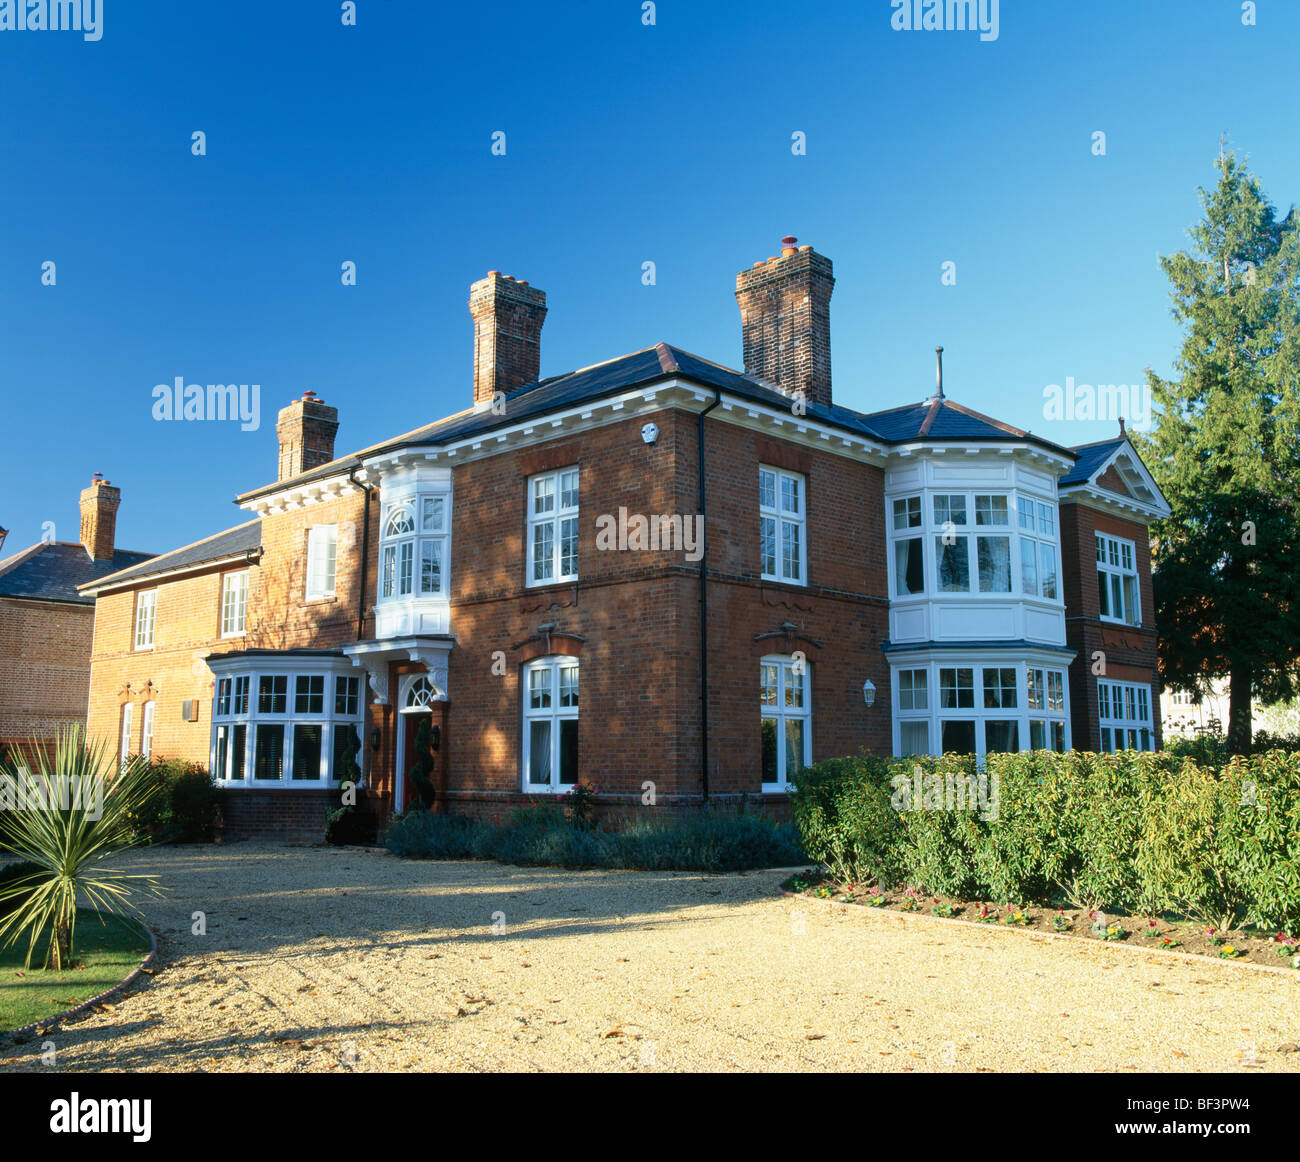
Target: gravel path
[(323, 959)]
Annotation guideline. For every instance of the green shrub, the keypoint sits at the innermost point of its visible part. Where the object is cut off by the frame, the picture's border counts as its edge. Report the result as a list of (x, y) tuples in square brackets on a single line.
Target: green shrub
[(1133, 831), (182, 803), (539, 835)]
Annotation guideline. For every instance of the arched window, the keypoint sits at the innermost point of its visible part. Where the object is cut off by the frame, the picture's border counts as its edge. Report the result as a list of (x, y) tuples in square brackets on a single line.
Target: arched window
[(414, 533), (785, 718), (421, 693)]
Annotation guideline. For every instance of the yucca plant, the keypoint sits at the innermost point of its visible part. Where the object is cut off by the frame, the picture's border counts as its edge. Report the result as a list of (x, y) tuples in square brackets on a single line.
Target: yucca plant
[(68, 818)]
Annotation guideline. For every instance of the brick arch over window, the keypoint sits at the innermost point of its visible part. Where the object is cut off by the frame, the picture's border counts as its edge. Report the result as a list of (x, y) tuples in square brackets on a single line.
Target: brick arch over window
[(546, 644), (785, 639)]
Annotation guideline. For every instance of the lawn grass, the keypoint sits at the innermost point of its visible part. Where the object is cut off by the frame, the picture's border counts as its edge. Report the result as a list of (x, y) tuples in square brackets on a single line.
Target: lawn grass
[(106, 953)]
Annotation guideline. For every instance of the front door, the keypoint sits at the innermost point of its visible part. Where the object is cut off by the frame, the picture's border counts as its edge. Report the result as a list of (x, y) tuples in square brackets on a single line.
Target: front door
[(409, 720)]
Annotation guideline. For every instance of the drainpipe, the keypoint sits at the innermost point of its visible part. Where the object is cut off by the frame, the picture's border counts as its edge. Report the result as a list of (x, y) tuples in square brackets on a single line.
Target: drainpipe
[(704, 601), (365, 551)]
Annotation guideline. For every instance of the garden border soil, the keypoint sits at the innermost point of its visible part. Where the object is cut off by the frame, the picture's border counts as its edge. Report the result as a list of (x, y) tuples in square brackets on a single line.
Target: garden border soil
[(1109, 945), (78, 1010)]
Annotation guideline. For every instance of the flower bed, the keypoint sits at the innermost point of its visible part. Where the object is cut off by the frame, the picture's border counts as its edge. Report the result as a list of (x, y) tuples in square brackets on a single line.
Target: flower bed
[(1255, 945)]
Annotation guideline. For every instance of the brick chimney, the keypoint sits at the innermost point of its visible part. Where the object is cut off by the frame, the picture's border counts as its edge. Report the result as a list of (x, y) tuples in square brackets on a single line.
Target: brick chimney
[(508, 318), (306, 429), (99, 517), (785, 316)]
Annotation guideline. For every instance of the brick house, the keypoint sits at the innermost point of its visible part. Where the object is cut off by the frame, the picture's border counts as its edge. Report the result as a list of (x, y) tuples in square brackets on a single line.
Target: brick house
[(529, 580), (46, 625)]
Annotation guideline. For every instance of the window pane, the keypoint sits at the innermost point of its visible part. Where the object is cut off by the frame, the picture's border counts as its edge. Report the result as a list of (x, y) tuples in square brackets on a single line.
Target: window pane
[(568, 750), (1037, 734), (1028, 566), (569, 547), (273, 694), (1058, 737), (569, 489), (767, 532), (306, 751), (389, 583), (240, 705), (223, 752), (346, 740), (309, 694), (1047, 569), (539, 752), (953, 563), (950, 508), (268, 759), (790, 501), (405, 567), (793, 688), (958, 736), (1001, 736), (914, 737), (238, 742), (766, 488), (1046, 520), (920, 678), (1103, 594), (433, 516), (223, 696), (957, 688), (770, 773), (791, 551), (568, 685), (1026, 510), (430, 566), (990, 510), (1130, 601), (1055, 691), (794, 743), (909, 567), (907, 513), (994, 564), (543, 552), (544, 495), (768, 689), (539, 688)]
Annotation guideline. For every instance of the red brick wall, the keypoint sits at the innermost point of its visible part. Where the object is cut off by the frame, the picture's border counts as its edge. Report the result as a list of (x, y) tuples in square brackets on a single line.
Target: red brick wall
[(44, 668), (1130, 651)]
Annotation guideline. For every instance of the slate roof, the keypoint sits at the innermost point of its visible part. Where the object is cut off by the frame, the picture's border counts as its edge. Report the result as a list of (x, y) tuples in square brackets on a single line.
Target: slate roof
[(933, 420), (1090, 458), (241, 539), (53, 571)]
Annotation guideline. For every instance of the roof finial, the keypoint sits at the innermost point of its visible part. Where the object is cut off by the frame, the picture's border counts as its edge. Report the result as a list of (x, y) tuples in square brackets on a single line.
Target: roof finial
[(1122, 433), (938, 373)]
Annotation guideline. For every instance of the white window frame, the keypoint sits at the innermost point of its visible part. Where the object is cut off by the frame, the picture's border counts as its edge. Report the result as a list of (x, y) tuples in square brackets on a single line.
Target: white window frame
[(789, 525), (146, 614), (559, 675), (1132, 723), (1042, 538), (322, 561), (234, 603), (236, 703), (146, 729), (788, 679), (1053, 714), (1117, 560), (128, 716), (559, 519)]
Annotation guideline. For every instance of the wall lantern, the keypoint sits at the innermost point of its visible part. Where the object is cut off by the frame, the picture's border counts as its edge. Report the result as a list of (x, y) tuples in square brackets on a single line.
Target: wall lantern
[(869, 692), (374, 739)]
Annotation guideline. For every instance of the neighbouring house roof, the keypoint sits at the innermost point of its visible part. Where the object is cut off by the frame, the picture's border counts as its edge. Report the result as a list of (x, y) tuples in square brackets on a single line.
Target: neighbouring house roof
[(935, 419), (55, 571), (1090, 458), (236, 542)]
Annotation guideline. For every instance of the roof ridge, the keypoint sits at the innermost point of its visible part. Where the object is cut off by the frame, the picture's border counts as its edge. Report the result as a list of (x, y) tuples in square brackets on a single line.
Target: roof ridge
[(108, 577), (9, 564)]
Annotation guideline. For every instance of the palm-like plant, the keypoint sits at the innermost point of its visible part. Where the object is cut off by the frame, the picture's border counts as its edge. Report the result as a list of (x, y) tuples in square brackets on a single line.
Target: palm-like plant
[(68, 818)]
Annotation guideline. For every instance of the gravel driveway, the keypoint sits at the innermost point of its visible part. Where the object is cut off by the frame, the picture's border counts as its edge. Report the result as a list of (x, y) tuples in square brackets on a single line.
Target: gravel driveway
[(327, 959)]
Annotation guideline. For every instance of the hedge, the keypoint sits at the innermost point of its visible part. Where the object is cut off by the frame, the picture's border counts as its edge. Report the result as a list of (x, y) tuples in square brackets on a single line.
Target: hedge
[(1129, 832)]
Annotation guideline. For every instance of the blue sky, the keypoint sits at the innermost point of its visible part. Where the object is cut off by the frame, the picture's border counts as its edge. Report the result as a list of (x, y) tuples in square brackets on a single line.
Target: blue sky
[(625, 144)]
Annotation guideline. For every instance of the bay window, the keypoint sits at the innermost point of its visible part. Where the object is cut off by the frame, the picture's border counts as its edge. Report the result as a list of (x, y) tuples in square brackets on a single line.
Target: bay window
[(413, 549)]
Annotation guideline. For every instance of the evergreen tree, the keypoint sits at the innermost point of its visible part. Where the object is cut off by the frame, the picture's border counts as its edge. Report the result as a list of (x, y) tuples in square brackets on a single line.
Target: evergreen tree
[(1224, 451)]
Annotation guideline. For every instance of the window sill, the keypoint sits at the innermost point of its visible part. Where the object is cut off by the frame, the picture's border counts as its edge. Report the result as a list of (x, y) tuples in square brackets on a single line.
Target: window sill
[(532, 585), (320, 599)]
